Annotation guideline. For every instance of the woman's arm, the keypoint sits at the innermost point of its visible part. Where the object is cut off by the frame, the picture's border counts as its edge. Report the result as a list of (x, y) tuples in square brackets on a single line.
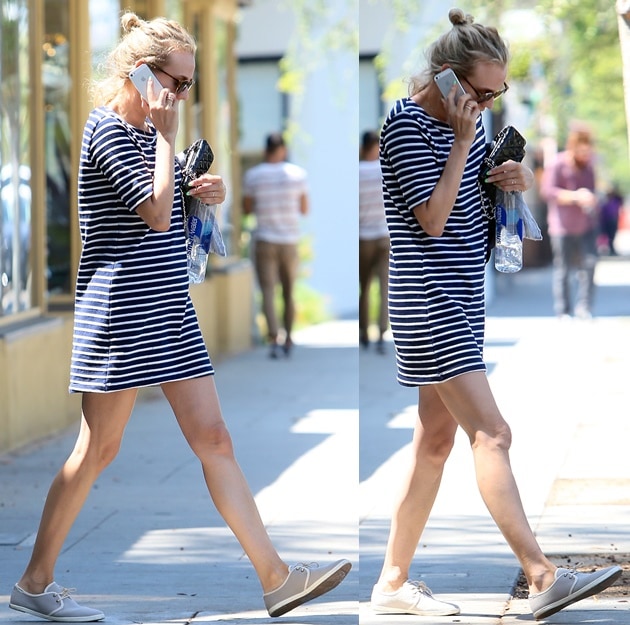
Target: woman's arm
[(156, 210), (433, 214), (462, 117)]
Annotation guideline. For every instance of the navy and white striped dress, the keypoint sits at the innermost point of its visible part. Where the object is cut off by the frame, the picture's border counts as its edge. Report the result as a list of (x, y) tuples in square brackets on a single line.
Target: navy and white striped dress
[(134, 322), (436, 284)]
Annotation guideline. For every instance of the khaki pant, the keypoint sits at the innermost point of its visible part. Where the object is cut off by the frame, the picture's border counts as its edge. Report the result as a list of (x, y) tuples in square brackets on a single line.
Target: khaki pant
[(373, 261), (276, 262)]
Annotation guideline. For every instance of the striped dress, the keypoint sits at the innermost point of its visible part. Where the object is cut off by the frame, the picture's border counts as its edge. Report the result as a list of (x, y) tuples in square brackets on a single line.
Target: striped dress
[(436, 284), (134, 322)]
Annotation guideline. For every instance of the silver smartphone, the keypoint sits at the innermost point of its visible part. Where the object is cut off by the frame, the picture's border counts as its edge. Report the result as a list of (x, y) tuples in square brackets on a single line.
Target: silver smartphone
[(139, 77), (445, 80)]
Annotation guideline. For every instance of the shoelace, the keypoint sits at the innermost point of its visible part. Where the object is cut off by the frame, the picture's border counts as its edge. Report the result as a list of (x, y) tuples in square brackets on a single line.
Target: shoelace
[(64, 594), (303, 566), (572, 572), (420, 587)]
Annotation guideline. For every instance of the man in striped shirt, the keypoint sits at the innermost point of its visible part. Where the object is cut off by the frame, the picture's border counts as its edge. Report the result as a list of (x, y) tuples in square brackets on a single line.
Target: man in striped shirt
[(276, 192)]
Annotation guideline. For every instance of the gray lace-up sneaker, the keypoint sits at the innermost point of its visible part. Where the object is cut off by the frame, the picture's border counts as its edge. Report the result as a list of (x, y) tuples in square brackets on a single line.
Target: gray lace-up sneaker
[(54, 604), (305, 582), (571, 586), (412, 597)]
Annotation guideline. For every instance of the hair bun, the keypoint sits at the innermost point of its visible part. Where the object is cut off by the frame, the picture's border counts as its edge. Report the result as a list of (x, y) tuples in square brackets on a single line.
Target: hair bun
[(459, 18), (129, 21)]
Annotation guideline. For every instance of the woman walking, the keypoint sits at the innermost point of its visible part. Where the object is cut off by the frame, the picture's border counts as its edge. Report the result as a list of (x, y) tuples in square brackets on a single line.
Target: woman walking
[(135, 324), (431, 154)]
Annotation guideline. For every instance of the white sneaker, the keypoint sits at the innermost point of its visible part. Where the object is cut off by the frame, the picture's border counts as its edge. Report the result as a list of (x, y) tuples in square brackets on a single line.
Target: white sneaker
[(411, 598)]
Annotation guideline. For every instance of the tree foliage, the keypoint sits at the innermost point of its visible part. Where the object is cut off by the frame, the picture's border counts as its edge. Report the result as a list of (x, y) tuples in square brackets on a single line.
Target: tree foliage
[(580, 58), (321, 30)]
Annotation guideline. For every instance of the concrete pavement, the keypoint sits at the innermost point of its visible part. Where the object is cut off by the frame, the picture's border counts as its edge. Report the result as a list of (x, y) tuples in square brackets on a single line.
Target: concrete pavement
[(563, 386), (149, 547)]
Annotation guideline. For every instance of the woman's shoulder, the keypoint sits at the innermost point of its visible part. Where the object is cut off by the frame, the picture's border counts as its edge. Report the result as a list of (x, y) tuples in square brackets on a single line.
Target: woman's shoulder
[(103, 120), (407, 113), (405, 108)]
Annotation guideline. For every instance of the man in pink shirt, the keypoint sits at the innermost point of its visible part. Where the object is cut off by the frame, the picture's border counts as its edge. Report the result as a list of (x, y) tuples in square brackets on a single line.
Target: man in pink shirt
[(569, 189)]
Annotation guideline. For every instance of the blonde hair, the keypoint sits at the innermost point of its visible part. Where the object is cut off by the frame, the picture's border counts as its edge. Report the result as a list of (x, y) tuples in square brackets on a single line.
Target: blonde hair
[(150, 41), (461, 48)]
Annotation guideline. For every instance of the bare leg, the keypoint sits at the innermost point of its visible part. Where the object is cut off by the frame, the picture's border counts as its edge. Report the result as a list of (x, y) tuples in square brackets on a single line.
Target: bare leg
[(105, 416), (469, 399), (432, 442), (196, 406)]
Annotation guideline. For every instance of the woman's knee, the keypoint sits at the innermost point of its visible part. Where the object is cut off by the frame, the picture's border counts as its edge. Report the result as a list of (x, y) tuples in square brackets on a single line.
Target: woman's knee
[(497, 437), (96, 454), (212, 439), (437, 444)]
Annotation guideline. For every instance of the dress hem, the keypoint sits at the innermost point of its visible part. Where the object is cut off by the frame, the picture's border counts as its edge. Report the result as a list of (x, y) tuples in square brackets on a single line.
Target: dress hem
[(79, 389)]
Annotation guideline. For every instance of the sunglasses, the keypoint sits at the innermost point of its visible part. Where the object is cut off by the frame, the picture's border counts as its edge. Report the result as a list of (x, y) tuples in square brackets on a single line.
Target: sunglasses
[(484, 96), (180, 85)]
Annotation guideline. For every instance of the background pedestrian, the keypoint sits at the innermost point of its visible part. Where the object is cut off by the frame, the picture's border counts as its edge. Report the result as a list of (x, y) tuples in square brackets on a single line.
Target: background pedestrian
[(276, 192), (569, 189), (373, 239)]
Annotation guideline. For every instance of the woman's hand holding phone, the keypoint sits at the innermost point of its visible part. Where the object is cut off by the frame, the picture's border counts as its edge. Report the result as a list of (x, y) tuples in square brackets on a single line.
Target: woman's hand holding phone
[(461, 110), (159, 103)]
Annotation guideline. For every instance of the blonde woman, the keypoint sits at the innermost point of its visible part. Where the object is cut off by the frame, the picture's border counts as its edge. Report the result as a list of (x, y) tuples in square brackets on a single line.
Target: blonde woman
[(135, 325), (431, 153)]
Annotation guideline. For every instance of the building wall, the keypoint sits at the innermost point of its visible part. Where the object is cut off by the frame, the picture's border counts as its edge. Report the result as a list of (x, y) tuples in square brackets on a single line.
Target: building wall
[(325, 143)]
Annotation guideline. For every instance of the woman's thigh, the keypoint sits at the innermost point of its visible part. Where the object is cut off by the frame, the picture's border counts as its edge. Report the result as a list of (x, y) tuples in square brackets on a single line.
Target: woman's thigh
[(436, 427), (195, 403), (104, 418), (469, 399)]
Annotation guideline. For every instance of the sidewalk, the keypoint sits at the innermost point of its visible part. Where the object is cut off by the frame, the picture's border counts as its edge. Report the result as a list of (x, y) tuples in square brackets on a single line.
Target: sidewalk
[(149, 546), (565, 391)]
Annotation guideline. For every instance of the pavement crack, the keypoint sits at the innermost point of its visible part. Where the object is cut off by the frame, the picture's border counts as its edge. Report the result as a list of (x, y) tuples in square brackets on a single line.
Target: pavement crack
[(90, 530)]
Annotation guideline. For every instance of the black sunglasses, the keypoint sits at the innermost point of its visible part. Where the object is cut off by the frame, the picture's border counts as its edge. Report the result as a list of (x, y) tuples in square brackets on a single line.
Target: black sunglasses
[(487, 95), (180, 85)]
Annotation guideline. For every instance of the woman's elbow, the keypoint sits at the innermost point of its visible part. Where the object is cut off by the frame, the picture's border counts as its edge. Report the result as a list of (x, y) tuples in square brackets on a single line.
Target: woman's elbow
[(433, 227), (161, 225), (433, 230), (160, 222)]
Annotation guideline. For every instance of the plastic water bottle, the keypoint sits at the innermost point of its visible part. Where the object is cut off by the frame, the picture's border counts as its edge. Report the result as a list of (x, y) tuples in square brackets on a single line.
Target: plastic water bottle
[(200, 225), (508, 255)]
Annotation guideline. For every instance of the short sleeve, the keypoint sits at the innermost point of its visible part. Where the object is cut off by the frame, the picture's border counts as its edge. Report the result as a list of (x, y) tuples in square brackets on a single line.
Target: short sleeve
[(122, 161), (405, 148)]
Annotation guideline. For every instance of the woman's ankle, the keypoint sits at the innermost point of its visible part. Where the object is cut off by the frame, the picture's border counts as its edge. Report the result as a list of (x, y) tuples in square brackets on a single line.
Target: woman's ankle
[(33, 586)]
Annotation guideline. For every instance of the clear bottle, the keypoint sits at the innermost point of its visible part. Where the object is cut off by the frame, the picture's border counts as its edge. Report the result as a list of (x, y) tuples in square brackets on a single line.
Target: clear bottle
[(200, 225), (508, 254)]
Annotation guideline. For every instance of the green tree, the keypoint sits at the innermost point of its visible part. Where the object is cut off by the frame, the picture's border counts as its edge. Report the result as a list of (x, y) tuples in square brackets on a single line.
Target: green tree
[(584, 70), (572, 68)]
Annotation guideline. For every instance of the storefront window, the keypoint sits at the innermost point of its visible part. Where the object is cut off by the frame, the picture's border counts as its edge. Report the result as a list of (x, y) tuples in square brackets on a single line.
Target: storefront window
[(223, 148), (222, 142), (104, 31), (15, 171), (57, 83)]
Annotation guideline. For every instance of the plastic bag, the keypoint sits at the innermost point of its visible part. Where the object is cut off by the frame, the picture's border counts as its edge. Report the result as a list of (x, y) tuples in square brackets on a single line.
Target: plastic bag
[(530, 227), (200, 219)]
